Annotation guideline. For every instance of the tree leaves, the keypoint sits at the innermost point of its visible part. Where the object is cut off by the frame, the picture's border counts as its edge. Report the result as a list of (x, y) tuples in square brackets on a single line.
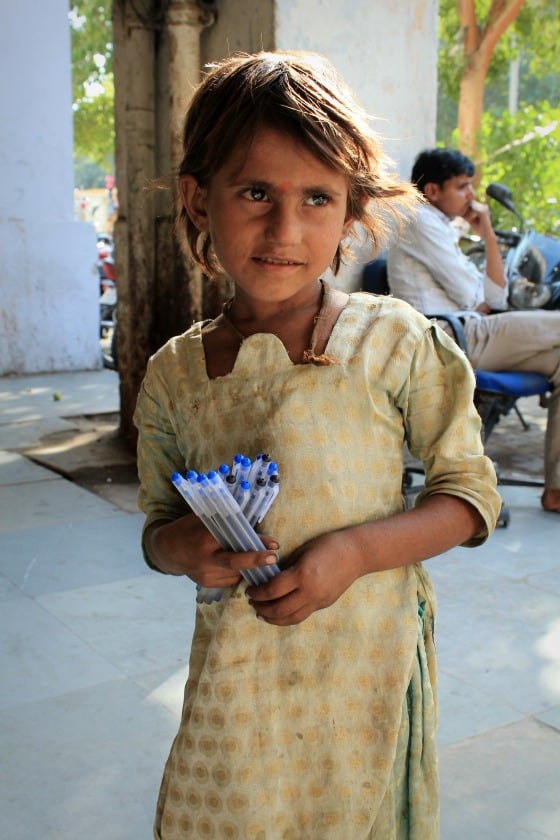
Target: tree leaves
[(92, 81)]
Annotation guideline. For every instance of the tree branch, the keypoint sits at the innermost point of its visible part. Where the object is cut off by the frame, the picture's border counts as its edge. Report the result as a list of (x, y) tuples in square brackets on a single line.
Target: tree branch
[(502, 13), (469, 26)]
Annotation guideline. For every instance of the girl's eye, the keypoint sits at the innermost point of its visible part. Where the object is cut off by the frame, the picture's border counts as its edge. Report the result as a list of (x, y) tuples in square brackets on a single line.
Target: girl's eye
[(317, 199), (255, 193)]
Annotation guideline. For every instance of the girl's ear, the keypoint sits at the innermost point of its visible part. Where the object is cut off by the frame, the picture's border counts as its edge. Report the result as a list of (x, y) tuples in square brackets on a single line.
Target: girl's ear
[(194, 201)]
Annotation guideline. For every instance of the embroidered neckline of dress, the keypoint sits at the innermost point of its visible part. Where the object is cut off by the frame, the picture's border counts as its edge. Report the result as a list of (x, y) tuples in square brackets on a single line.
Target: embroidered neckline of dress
[(309, 355)]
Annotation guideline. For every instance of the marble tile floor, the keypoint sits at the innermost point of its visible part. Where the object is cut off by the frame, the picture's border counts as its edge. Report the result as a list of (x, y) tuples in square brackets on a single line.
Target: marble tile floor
[(94, 653)]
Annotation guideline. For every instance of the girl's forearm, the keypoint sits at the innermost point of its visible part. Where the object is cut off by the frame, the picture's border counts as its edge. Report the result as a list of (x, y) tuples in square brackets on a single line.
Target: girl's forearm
[(439, 523), (157, 551)]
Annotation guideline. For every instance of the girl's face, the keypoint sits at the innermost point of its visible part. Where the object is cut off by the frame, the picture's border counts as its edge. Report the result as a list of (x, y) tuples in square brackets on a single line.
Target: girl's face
[(276, 215)]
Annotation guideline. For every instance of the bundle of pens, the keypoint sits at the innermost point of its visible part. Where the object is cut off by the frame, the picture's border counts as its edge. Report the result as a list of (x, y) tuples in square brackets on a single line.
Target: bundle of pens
[(230, 502)]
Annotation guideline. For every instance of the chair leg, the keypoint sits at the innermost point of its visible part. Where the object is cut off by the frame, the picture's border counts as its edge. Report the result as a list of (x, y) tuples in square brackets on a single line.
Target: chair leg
[(521, 418), (504, 517)]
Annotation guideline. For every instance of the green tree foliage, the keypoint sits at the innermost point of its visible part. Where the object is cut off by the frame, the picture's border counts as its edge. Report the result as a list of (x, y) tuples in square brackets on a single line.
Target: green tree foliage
[(92, 81), (521, 149)]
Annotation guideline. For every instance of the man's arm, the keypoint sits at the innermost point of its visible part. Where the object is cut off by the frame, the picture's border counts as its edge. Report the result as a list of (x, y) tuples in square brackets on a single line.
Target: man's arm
[(478, 218)]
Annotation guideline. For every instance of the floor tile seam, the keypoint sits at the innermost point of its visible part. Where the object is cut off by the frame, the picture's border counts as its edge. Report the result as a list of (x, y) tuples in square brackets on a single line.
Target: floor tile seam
[(96, 586), (484, 733), (120, 673), (547, 725), (68, 627), (35, 421), (54, 477), (522, 713), (121, 679), (63, 590), (76, 520), (541, 587)]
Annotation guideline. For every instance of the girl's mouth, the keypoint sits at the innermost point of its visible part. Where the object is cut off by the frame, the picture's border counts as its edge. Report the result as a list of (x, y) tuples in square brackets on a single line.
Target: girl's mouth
[(277, 261)]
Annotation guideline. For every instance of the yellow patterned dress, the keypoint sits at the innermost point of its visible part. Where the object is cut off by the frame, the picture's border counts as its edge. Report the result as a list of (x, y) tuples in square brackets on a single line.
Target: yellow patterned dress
[(324, 730)]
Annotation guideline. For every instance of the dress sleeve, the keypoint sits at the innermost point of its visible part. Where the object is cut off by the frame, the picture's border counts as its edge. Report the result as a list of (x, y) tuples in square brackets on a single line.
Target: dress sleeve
[(158, 453), (443, 428)]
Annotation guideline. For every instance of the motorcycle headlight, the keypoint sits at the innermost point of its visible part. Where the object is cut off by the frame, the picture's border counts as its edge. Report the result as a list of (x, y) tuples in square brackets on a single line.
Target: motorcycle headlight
[(526, 295)]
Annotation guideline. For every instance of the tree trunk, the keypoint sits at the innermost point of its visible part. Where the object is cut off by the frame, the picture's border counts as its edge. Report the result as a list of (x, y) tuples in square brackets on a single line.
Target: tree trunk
[(479, 43), (156, 66)]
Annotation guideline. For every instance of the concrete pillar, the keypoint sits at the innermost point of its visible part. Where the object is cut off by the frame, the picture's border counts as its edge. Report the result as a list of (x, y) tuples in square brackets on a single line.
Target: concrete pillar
[(49, 292), (386, 52)]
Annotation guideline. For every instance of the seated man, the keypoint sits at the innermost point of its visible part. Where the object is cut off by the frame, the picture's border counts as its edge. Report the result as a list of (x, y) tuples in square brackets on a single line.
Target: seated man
[(427, 268)]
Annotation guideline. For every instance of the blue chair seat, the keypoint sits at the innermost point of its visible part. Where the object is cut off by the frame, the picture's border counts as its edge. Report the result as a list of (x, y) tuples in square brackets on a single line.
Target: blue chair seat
[(512, 382)]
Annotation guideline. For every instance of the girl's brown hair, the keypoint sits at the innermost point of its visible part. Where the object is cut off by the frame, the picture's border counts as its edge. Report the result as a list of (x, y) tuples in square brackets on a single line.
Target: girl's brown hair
[(301, 94)]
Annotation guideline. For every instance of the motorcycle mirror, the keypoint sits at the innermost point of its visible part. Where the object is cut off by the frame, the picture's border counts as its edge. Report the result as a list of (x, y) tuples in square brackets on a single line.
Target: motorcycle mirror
[(500, 193)]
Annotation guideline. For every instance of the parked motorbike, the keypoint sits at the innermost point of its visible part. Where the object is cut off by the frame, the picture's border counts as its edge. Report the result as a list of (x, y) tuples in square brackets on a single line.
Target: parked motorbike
[(107, 283), (110, 352), (531, 259), (107, 306)]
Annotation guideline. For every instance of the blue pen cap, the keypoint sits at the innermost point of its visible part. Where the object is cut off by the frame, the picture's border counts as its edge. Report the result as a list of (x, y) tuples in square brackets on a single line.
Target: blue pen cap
[(192, 475), (223, 469)]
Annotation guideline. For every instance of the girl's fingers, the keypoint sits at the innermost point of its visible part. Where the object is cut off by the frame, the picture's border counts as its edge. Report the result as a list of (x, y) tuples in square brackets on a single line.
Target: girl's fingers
[(251, 559), (291, 609)]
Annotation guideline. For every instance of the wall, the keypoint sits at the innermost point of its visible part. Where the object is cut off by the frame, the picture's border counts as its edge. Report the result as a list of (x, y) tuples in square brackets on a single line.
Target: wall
[(386, 52), (48, 282), (49, 310)]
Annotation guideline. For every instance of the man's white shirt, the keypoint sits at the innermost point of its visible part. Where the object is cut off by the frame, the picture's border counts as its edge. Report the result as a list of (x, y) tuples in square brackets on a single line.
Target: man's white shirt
[(427, 268)]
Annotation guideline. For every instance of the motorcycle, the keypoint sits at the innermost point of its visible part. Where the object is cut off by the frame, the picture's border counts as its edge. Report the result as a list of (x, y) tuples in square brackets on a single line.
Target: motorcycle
[(531, 259), (107, 284)]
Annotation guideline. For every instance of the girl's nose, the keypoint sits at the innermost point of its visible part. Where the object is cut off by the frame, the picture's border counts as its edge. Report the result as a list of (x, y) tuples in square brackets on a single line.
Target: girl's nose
[(283, 224)]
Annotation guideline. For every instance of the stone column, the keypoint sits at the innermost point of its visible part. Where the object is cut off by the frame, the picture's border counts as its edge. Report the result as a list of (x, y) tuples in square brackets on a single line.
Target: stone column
[(49, 302), (156, 66)]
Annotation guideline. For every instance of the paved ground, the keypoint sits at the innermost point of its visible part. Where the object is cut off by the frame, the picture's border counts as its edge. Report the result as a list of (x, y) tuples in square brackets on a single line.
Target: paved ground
[(94, 647)]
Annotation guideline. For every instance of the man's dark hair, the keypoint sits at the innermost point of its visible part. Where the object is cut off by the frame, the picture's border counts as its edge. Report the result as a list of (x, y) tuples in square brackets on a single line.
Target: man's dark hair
[(436, 166)]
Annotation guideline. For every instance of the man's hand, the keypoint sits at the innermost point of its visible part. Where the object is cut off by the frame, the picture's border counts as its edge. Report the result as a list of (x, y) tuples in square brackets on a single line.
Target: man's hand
[(478, 217)]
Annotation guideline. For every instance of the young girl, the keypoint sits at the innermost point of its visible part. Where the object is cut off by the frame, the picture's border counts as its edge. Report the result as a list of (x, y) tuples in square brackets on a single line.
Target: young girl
[(309, 710)]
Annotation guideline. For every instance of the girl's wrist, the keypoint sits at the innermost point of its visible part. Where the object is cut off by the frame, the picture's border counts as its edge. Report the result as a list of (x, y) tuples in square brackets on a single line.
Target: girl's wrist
[(157, 549)]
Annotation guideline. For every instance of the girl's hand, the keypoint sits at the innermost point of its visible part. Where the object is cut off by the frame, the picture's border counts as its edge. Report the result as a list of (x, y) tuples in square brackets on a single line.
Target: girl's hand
[(325, 567), (186, 547), (319, 572)]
